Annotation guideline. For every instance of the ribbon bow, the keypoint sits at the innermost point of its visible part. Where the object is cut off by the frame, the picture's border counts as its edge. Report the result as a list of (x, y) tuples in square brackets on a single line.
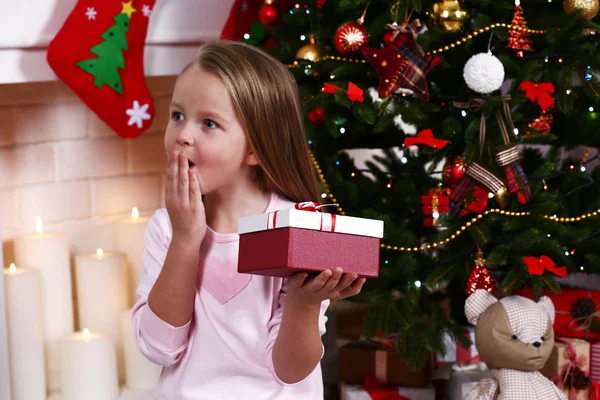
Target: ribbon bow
[(354, 93), (540, 92), (567, 375), (380, 392), (413, 29), (425, 137), (327, 220), (475, 105), (536, 266), (584, 323)]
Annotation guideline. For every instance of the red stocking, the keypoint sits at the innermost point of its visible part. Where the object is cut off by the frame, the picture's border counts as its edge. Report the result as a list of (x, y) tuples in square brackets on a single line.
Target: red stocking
[(99, 54)]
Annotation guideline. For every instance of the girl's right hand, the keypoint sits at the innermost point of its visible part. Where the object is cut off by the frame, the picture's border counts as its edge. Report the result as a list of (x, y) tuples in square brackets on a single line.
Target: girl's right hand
[(183, 199)]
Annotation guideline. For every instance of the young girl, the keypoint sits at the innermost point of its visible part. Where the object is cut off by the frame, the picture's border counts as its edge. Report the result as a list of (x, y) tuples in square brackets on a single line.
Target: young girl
[(236, 147)]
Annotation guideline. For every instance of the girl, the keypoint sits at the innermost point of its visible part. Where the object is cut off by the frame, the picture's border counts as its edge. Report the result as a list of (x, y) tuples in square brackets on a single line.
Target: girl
[(236, 147)]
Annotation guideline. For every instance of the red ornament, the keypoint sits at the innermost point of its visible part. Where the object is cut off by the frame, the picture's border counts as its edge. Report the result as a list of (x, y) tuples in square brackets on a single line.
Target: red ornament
[(480, 277), (350, 38), (453, 171), (388, 37), (267, 14), (542, 124), (519, 38), (316, 115)]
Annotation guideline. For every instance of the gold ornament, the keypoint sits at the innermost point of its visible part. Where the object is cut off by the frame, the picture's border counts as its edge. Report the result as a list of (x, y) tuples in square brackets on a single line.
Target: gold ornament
[(449, 14), (589, 7), (311, 51)]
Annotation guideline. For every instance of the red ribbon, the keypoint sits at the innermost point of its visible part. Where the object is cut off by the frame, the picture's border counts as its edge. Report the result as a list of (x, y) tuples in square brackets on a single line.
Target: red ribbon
[(425, 137), (540, 92), (354, 93), (379, 392), (536, 266), (327, 220), (569, 368), (594, 390)]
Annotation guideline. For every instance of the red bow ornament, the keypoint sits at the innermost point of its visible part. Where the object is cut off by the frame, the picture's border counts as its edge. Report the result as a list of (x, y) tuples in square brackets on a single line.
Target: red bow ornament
[(354, 93), (379, 392), (540, 92), (425, 137), (537, 266)]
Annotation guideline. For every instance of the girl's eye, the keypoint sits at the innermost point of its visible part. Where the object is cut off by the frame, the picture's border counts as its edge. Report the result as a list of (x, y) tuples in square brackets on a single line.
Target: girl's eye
[(210, 124), (176, 116)]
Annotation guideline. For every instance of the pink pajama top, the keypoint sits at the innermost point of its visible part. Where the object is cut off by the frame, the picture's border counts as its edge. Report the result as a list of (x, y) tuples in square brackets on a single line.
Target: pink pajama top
[(225, 350)]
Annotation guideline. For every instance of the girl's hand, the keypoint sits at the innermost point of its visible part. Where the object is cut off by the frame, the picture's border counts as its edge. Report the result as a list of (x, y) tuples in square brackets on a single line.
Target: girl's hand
[(183, 199), (327, 285)]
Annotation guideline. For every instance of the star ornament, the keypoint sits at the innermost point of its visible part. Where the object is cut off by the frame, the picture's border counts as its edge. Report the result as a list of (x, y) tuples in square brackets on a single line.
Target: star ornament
[(389, 65), (128, 9)]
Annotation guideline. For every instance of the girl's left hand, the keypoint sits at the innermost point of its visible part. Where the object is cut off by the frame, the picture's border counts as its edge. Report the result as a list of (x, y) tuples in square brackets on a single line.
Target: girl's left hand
[(328, 285)]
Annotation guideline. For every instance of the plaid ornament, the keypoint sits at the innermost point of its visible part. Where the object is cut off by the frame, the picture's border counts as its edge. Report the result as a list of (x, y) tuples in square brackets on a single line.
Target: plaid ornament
[(468, 197), (402, 65), (516, 181)]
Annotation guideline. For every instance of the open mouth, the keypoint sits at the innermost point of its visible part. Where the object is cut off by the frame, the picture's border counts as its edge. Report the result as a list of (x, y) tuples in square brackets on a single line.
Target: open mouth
[(190, 164)]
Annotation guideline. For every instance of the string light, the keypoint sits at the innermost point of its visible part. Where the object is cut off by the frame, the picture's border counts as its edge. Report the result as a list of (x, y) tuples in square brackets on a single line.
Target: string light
[(353, 174), (404, 160), (302, 37), (418, 284), (568, 91), (581, 268), (582, 168), (591, 109), (246, 36), (545, 186), (546, 59), (389, 185), (342, 130), (463, 113)]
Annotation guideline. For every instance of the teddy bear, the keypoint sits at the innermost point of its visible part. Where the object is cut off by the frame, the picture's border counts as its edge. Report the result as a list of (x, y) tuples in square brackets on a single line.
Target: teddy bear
[(514, 337)]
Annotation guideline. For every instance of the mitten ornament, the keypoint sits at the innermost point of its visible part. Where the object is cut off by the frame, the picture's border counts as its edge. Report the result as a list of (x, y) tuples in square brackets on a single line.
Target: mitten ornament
[(99, 54), (516, 181)]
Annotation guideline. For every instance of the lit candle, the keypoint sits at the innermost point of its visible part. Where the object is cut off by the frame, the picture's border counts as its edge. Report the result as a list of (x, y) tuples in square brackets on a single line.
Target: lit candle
[(49, 253), (102, 295), (128, 238), (25, 333), (140, 373), (88, 367)]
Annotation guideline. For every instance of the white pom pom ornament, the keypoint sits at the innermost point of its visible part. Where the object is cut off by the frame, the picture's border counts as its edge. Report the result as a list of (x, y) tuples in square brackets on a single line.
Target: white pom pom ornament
[(484, 73)]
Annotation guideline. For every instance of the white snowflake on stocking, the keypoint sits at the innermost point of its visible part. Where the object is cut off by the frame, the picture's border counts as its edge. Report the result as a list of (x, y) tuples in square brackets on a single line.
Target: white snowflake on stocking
[(146, 10), (138, 114), (91, 13)]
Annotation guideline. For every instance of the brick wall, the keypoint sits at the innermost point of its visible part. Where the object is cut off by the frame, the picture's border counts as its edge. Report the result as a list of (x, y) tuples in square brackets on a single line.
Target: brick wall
[(59, 161)]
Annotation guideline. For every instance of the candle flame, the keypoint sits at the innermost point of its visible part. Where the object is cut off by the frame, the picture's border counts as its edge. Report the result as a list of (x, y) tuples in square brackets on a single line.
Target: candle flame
[(86, 333), (39, 227), (99, 252), (135, 214), (13, 268)]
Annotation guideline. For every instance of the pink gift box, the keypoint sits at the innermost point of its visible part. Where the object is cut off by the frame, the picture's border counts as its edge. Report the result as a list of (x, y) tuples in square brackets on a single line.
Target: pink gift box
[(286, 241), (595, 362)]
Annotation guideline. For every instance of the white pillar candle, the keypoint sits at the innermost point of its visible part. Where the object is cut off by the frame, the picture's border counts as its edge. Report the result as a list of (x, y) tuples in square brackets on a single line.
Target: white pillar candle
[(49, 253), (102, 295), (128, 237), (140, 373), (25, 333), (88, 367)]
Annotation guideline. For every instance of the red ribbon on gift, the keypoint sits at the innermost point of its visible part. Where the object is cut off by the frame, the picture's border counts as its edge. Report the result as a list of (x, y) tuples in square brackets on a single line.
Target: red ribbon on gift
[(594, 390), (379, 392), (354, 93), (536, 266), (566, 375), (540, 92), (425, 137), (327, 220)]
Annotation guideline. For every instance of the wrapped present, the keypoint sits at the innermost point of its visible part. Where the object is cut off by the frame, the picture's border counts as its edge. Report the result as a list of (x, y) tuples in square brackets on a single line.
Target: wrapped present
[(569, 367), (464, 358), (373, 390), (435, 203), (595, 363), (462, 382), (358, 360), (303, 239), (577, 312)]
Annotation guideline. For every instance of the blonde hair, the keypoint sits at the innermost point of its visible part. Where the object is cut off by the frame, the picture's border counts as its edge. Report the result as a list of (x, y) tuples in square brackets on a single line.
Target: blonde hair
[(266, 100)]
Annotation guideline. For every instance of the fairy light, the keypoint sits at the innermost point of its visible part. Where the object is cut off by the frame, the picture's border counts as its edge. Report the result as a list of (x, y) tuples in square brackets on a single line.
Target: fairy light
[(546, 59), (582, 168), (516, 131), (463, 113), (591, 109), (323, 195), (567, 253), (302, 37), (404, 160), (568, 91), (246, 36), (353, 174), (545, 186), (389, 185), (342, 130), (418, 284)]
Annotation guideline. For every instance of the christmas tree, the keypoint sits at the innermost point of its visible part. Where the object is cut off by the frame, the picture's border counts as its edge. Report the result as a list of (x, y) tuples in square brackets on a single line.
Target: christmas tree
[(439, 101), (110, 57)]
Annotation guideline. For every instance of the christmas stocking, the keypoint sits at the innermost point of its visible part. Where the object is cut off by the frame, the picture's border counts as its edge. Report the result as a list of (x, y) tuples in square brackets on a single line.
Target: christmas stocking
[(99, 54), (516, 181), (471, 194)]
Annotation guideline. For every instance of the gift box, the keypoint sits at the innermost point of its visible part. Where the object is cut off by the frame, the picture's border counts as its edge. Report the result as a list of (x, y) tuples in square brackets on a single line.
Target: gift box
[(358, 360), (302, 239), (568, 322), (569, 367), (435, 203), (595, 362), (462, 382), (359, 392)]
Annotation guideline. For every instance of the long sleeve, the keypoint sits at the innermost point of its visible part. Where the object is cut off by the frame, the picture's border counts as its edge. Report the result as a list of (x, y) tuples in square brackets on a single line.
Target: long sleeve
[(159, 341), (274, 325)]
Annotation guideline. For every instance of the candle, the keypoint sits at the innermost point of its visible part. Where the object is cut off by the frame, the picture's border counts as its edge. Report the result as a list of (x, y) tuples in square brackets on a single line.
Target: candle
[(88, 367), (128, 236), (25, 333), (140, 373), (102, 295), (49, 253)]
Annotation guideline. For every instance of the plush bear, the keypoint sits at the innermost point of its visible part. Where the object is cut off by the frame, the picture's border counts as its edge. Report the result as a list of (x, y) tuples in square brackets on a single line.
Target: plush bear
[(514, 337)]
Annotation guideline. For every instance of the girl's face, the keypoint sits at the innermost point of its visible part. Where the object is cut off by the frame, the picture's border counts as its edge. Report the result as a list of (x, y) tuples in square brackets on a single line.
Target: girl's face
[(203, 126)]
